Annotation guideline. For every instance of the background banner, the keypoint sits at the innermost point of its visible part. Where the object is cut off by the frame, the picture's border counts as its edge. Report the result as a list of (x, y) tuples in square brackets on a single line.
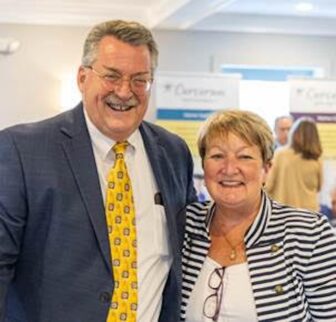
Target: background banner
[(184, 100)]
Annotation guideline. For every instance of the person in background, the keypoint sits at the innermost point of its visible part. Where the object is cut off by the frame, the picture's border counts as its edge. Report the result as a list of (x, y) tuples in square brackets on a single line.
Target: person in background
[(331, 212), (297, 170), (202, 194), (89, 199), (282, 125), (246, 257)]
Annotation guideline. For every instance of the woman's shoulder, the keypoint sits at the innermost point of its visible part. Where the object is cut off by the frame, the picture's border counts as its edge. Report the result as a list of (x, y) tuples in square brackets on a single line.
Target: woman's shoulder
[(298, 217), (198, 209), (197, 217), (199, 205)]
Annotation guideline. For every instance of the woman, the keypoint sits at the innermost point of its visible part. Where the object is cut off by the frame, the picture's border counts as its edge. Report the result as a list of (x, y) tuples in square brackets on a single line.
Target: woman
[(296, 174), (247, 258)]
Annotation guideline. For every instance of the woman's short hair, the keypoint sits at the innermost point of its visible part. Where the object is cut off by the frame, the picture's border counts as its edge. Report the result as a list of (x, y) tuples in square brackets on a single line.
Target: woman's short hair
[(246, 125), (129, 32), (304, 138)]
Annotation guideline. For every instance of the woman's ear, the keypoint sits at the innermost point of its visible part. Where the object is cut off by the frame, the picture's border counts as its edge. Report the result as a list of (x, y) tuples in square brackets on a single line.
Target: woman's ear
[(267, 168)]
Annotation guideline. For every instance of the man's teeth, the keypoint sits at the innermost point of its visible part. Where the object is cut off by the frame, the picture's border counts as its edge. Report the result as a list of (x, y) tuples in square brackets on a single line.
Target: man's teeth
[(120, 107)]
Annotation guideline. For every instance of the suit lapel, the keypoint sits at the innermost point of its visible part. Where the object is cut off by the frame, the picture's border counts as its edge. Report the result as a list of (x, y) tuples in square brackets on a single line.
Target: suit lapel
[(78, 149), (160, 163)]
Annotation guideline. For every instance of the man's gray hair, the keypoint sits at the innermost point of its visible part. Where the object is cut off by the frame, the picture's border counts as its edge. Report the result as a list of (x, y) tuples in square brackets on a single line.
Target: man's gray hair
[(130, 32)]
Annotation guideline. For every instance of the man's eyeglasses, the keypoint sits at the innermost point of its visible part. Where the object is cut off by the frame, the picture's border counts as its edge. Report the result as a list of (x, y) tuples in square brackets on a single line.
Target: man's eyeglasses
[(212, 303), (139, 84)]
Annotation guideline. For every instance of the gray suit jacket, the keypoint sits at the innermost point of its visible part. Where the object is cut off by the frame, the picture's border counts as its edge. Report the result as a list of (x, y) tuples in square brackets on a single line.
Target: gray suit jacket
[(55, 261)]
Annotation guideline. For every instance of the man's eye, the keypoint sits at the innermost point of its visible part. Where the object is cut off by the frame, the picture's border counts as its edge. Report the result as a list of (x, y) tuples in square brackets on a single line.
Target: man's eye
[(139, 81), (112, 77)]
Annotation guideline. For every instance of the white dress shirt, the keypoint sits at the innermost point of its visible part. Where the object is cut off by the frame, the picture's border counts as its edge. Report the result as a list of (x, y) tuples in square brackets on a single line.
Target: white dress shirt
[(154, 254)]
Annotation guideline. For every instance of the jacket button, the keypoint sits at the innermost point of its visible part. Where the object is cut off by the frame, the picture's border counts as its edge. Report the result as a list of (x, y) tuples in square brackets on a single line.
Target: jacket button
[(274, 248), (278, 289), (105, 297)]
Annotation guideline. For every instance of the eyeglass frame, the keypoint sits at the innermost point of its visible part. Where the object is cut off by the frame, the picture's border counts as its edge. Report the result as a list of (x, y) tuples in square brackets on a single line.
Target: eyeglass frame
[(111, 84), (218, 294)]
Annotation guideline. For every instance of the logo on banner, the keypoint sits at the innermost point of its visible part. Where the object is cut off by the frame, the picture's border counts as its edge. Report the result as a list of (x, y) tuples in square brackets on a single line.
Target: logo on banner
[(193, 92)]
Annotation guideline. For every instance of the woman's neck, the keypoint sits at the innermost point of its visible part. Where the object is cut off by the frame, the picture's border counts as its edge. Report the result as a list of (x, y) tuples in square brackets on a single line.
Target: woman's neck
[(227, 220)]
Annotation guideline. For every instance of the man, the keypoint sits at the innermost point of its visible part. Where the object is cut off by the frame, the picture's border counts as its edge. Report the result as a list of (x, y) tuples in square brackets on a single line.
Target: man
[(282, 126), (57, 260)]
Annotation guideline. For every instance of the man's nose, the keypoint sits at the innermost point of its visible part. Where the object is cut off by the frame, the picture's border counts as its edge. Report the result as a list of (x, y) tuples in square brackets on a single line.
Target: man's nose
[(124, 89)]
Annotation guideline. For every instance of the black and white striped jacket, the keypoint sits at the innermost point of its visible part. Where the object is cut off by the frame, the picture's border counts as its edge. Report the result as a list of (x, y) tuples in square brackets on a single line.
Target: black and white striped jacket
[(291, 255)]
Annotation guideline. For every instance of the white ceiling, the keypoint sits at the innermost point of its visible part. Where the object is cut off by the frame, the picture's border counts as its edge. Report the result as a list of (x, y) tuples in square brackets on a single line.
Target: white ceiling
[(267, 16)]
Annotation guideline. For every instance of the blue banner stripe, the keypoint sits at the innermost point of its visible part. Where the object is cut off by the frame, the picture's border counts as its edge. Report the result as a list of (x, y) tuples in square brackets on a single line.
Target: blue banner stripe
[(183, 114), (268, 74)]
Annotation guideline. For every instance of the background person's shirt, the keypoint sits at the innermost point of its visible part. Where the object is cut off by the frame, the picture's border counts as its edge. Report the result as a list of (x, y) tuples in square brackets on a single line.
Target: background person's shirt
[(295, 181)]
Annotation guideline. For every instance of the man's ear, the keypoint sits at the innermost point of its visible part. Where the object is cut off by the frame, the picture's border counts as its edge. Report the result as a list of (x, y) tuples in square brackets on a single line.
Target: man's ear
[(81, 77)]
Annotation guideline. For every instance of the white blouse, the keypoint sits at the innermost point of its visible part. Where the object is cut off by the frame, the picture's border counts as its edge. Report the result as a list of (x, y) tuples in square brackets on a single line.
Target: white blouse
[(237, 297)]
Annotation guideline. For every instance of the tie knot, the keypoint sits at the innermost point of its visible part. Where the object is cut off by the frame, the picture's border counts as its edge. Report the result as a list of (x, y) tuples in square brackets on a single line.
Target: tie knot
[(120, 147)]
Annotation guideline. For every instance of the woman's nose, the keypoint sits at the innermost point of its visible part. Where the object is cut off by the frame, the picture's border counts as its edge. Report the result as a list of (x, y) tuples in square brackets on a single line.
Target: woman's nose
[(230, 165)]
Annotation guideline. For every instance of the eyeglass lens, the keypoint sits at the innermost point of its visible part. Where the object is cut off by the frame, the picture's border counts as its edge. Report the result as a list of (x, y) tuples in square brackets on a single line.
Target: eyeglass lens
[(213, 302), (139, 85)]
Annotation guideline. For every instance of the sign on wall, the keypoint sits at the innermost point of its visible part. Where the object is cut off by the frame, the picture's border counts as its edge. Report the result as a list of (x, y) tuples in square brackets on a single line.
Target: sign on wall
[(313, 96), (317, 99), (185, 100)]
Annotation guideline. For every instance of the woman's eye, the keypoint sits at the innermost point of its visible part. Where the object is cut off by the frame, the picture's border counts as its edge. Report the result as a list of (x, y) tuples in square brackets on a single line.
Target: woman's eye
[(216, 156), (245, 157)]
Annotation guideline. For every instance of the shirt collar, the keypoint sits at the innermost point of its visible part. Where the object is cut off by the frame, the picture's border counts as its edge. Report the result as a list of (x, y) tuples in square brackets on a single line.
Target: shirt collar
[(103, 144)]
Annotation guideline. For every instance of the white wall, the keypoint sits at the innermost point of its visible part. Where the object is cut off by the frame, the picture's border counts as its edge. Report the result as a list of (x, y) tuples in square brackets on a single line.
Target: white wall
[(206, 51), (30, 79)]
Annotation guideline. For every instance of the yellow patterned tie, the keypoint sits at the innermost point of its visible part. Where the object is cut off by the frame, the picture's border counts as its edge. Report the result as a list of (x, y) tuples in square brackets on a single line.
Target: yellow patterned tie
[(120, 216)]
